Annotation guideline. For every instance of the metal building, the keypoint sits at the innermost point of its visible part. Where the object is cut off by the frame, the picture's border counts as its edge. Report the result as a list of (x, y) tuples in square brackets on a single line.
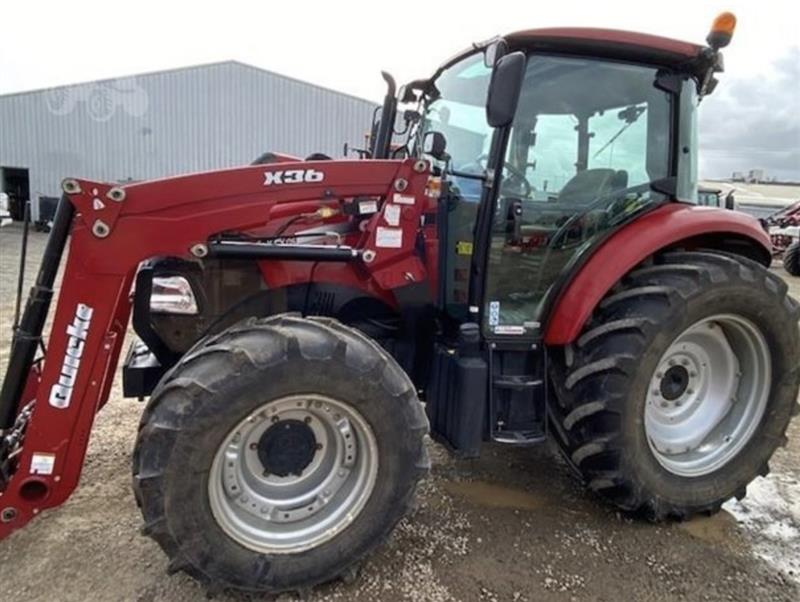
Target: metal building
[(168, 122)]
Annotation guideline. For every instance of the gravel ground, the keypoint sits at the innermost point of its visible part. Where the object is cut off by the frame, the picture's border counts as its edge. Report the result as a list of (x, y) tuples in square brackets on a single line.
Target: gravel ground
[(513, 525)]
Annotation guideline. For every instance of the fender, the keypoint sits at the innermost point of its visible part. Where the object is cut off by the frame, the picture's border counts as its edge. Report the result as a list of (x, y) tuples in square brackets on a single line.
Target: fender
[(661, 228)]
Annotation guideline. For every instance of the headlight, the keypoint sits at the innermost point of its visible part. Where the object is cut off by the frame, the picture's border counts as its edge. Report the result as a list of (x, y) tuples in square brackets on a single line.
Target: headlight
[(172, 295)]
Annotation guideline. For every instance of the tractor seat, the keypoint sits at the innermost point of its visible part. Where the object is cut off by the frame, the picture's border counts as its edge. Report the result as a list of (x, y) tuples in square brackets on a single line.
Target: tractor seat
[(587, 185)]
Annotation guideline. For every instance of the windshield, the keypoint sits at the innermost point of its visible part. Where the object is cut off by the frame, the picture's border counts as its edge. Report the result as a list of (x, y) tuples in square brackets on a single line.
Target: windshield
[(457, 109), (459, 112)]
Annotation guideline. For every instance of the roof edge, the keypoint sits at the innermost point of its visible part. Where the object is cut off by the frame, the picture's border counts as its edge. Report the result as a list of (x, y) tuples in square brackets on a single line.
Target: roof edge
[(232, 62), (614, 37)]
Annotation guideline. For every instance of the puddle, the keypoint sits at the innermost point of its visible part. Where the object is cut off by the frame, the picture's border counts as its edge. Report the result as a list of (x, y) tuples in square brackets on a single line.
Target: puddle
[(770, 518), (494, 496), (717, 529)]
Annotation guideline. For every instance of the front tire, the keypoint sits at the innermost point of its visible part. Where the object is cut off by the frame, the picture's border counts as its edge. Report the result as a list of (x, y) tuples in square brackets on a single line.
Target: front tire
[(791, 259), (735, 320), (277, 454)]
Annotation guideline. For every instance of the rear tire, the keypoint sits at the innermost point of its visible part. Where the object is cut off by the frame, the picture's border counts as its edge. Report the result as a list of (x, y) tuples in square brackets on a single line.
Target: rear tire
[(604, 381), (791, 259), (224, 382)]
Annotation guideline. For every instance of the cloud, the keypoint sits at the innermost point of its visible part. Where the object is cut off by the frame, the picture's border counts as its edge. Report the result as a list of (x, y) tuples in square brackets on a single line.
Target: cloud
[(754, 122)]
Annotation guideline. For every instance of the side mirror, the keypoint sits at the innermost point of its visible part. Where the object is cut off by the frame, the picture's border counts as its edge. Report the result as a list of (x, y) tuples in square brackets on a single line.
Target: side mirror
[(504, 89), (435, 145), (494, 52)]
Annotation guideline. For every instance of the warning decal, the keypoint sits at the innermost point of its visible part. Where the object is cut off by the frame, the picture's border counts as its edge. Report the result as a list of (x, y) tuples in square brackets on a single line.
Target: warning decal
[(389, 238)]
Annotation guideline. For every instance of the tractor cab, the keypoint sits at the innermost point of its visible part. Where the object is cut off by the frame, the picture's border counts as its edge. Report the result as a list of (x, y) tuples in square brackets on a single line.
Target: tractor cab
[(546, 142)]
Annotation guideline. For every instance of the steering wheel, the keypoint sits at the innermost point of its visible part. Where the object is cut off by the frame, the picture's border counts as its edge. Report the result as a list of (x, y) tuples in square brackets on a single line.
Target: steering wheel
[(636, 191), (514, 184)]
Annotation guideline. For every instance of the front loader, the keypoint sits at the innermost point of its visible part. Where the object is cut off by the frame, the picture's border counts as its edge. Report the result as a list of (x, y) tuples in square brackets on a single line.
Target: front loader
[(524, 261)]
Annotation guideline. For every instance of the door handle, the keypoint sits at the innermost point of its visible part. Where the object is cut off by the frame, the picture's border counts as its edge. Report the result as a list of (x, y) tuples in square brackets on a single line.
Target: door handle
[(514, 221)]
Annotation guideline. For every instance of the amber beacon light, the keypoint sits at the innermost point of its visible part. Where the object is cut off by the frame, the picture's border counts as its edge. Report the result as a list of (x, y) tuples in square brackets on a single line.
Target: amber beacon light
[(721, 30)]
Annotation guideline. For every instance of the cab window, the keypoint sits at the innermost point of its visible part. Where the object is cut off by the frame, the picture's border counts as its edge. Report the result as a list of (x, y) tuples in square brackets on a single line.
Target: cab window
[(588, 139)]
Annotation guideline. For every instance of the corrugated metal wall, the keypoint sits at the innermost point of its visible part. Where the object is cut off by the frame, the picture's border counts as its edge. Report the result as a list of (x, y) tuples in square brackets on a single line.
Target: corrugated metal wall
[(172, 122)]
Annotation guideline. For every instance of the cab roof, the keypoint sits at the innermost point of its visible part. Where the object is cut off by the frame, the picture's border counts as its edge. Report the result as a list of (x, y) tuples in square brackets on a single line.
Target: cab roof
[(610, 43)]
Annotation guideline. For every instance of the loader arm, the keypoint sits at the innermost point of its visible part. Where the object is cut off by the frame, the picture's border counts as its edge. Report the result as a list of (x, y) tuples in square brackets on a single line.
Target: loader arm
[(47, 407)]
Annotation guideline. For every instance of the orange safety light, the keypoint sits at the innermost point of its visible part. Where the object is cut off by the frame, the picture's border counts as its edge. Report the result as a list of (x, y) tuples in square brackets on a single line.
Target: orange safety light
[(721, 30)]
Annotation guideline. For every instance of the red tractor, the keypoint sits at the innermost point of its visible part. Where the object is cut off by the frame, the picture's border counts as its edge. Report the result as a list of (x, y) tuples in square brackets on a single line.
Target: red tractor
[(526, 257), (784, 229)]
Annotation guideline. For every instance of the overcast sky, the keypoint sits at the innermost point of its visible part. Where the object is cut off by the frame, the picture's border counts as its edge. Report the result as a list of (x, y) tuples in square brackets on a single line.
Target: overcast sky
[(752, 121)]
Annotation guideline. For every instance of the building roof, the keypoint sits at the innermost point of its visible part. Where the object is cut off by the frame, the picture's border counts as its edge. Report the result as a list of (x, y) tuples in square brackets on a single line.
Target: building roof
[(189, 68)]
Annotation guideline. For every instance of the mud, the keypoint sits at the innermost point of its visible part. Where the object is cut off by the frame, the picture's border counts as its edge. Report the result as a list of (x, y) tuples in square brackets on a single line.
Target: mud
[(513, 526)]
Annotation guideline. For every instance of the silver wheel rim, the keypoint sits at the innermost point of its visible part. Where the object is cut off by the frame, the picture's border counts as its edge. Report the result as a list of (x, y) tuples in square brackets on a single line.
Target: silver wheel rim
[(288, 514), (708, 394)]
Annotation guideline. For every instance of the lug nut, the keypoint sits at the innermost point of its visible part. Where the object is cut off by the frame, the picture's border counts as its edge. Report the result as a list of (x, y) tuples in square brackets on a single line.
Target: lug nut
[(254, 445)]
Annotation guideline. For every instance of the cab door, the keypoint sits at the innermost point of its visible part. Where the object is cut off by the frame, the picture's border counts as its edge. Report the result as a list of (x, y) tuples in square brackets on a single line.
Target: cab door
[(576, 166)]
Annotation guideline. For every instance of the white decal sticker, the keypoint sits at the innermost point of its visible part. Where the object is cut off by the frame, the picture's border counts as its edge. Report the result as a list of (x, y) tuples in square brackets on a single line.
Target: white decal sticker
[(403, 199), (391, 213), (61, 392), (389, 238), (292, 176), (367, 207), (494, 313), (42, 463), (509, 330)]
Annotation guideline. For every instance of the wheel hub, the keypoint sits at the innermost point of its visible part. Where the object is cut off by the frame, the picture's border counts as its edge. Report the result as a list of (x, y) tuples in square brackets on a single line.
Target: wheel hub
[(287, 448), (707, 395), (293, 474), (674, 383)]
